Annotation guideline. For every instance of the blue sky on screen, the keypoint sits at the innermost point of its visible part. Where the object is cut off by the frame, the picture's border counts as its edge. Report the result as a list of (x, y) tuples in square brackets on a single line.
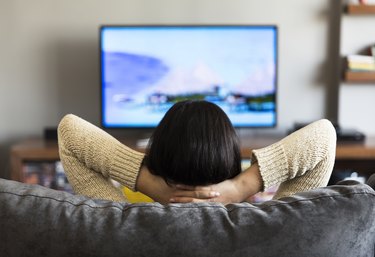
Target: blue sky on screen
[(231, 54)]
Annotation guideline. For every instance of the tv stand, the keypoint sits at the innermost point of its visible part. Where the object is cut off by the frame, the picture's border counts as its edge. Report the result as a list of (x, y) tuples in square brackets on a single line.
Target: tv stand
[(359, 157)]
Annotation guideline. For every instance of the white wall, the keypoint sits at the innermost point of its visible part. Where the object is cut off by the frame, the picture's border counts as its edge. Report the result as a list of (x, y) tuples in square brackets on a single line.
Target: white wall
[(49, 55)]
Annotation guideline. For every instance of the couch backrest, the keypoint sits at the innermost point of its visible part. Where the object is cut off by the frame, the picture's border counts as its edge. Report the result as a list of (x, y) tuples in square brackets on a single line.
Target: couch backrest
[(332, 221)]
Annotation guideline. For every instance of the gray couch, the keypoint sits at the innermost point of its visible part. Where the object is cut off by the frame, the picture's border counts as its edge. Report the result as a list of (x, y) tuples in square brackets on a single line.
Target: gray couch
[(332, 221)]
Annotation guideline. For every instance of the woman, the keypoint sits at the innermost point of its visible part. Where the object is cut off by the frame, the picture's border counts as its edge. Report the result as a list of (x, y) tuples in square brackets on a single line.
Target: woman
[(194, 156)]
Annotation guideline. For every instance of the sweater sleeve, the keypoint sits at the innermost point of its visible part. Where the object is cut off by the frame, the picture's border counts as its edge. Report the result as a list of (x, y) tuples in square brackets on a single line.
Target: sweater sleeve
[(91, 157), (301, 161)]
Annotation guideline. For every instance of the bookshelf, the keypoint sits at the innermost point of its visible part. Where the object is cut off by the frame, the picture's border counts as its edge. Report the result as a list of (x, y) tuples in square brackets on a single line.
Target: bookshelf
[(349, 76), (359, 77)]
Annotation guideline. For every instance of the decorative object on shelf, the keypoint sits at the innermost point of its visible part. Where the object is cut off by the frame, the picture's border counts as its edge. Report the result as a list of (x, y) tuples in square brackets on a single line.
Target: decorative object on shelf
[(356, 177), (362, 1)]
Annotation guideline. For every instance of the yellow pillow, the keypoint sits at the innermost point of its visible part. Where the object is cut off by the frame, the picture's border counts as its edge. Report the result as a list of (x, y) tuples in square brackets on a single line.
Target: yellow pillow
[(136, 197)]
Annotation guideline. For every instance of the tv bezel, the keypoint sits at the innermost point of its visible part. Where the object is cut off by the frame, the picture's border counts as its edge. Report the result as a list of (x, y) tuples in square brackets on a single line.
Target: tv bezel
[(101, 74)]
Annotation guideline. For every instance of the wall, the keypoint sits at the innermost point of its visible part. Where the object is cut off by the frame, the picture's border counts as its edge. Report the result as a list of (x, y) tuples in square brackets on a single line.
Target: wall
[(49, 56)]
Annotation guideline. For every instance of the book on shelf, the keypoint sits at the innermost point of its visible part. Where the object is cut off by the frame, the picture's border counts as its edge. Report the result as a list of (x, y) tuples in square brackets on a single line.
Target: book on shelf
[(361, 66), (361, 62)]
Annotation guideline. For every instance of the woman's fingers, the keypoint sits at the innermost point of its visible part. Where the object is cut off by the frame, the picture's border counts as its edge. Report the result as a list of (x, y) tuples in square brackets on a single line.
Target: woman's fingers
[(189, 200), (194, 188), (196, 194), (188, 194)]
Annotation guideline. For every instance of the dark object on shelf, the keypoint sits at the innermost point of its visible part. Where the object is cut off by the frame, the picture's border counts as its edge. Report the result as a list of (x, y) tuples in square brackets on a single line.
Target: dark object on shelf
[(349, 135), (343, 134), (50, 133), (371, 181), (339, 175)]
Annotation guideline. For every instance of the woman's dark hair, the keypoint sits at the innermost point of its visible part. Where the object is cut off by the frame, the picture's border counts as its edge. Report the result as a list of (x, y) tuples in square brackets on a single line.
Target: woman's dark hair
[(194, 144)]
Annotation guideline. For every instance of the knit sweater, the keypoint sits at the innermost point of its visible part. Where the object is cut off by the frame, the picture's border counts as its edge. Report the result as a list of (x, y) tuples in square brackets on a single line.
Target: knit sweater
[(91, 158)]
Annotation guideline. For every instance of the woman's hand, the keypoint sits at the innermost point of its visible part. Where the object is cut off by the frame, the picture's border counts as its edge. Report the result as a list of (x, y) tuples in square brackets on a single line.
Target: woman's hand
[(224, 192), (233, 190), (156, 188)]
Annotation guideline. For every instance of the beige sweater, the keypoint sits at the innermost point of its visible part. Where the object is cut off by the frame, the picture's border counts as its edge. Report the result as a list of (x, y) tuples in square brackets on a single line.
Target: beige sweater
[(91, 157)]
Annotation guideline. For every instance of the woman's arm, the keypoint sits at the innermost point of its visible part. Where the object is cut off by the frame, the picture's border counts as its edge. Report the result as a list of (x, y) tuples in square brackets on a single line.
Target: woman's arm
[(91, 157), (299, 162)]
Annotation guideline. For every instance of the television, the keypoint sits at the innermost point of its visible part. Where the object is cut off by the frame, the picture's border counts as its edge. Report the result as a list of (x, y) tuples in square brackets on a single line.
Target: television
[(146, 69)]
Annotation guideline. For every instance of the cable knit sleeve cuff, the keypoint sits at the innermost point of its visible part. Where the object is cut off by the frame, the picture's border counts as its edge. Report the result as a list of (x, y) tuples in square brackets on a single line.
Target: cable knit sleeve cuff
[(273, 165), (126, 165)]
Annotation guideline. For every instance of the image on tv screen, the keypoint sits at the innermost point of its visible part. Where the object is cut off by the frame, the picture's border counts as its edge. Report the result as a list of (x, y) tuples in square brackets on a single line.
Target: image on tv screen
[(146, 69)]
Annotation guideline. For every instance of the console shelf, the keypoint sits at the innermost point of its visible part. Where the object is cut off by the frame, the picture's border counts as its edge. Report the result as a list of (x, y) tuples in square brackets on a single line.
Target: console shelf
[(349, 156), (361, 9), (365, 77)]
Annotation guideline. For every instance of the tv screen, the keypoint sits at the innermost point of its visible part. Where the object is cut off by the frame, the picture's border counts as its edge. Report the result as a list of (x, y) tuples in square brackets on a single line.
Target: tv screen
[(146, 69)]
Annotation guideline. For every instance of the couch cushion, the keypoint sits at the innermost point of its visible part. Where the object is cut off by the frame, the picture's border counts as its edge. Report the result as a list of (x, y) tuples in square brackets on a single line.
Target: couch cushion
[(333, 221)]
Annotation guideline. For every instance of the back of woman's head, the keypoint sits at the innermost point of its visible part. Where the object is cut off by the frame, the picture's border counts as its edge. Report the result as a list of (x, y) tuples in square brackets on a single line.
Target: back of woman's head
[(194, 144)]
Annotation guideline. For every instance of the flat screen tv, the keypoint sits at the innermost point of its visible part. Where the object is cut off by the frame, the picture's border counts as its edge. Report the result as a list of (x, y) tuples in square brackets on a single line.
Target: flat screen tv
[(146, 69)]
